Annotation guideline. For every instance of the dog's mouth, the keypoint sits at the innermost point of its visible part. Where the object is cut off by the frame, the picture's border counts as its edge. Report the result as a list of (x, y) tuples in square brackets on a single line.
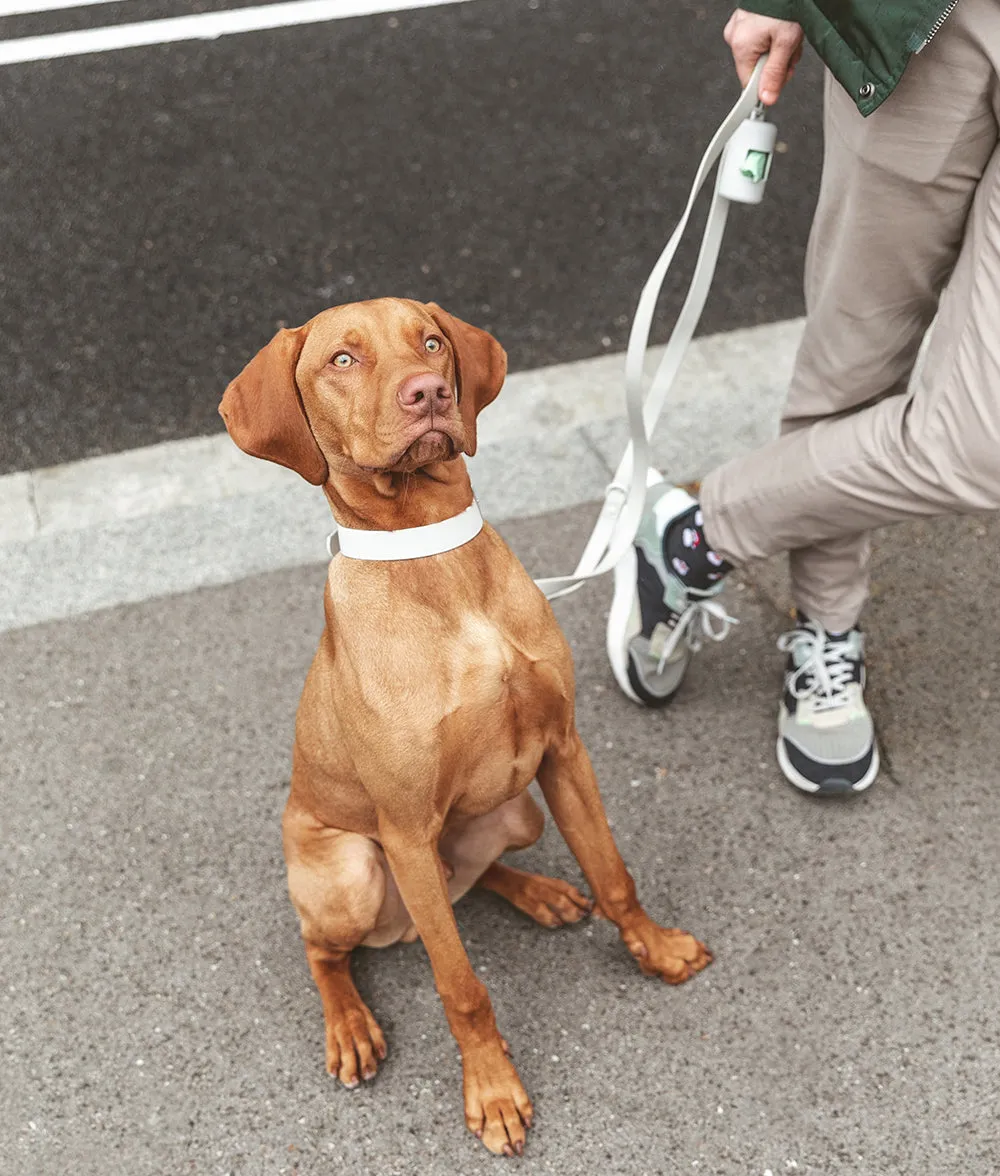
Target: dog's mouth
[(434, 445), (436, 441)]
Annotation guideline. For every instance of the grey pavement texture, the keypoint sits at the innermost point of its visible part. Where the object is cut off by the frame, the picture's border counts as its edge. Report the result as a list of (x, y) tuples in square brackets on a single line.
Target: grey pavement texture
[(522, 162), (156, 1011)]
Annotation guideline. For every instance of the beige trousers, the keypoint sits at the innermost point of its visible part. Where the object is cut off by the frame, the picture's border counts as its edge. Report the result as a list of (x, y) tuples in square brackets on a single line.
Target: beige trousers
[(909, 201)]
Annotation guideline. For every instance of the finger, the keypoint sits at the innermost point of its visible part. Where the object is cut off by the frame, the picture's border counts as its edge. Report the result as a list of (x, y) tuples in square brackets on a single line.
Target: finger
[(730, 30), (745, 59), (796, 58), (775, 73)]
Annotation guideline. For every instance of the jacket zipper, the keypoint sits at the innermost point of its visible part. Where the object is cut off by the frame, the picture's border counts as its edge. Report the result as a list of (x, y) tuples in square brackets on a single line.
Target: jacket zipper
[(936, 26)]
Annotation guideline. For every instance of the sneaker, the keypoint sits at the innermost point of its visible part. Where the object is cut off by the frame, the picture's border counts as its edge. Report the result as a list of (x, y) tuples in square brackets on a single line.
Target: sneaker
[(826, 738), (656, 622)]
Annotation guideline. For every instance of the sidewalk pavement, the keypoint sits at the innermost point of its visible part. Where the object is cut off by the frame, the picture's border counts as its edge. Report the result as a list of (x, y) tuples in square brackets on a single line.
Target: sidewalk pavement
[(158, 1018)]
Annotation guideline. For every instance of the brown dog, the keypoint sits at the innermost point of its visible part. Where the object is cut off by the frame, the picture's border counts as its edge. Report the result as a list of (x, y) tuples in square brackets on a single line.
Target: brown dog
[(441, 688)]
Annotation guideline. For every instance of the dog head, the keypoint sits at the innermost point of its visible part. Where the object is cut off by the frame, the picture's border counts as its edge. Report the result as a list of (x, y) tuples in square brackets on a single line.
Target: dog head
[(389, 385)]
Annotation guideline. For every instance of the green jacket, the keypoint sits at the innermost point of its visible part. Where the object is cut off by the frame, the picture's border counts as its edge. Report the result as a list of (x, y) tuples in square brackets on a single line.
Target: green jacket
[(865, 43)]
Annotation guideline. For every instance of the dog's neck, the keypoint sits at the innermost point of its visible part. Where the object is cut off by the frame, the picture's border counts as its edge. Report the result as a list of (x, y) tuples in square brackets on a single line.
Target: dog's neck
[(385, 501)]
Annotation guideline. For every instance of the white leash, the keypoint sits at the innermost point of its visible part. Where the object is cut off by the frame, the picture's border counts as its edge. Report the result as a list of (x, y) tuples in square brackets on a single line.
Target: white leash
[(748, 142)]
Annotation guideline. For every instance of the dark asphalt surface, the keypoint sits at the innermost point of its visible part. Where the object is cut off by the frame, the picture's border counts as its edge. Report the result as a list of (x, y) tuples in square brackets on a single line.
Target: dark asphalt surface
[(520, 161)]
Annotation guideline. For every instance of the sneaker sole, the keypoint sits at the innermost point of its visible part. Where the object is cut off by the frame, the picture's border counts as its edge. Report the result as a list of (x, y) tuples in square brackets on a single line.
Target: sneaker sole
[(617, 637), (625, 576), (804, 785)]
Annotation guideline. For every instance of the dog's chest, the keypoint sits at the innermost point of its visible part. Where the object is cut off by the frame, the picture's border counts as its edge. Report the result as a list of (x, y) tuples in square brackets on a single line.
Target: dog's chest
[(461, 702), (494, 667), (504, 705)]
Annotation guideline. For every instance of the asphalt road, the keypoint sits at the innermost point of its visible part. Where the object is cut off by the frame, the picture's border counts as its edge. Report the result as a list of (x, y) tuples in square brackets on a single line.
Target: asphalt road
[(520, 161)]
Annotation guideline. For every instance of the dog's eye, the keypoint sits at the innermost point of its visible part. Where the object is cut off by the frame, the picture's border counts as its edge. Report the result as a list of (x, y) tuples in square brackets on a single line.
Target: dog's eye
[(342, 360), (433, 344)]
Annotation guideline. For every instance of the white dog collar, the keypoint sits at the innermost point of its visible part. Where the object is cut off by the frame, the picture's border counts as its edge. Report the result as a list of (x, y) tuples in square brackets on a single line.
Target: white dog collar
[(410, 542)]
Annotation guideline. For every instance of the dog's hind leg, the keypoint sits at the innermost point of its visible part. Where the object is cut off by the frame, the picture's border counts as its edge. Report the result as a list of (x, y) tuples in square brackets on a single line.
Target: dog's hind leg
[(337, 884), (471, 852), (549, 901)]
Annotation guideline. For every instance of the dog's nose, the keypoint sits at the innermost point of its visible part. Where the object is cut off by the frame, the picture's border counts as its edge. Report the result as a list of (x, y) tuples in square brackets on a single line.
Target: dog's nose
[(425, 393)]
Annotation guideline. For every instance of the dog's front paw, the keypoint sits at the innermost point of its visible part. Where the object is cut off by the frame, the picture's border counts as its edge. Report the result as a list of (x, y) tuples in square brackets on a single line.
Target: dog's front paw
[(667, 952), (354, 1045), (497, 1108)]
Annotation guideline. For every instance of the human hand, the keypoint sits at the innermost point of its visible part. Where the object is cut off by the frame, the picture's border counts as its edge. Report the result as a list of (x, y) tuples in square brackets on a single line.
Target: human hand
[(749, 35)]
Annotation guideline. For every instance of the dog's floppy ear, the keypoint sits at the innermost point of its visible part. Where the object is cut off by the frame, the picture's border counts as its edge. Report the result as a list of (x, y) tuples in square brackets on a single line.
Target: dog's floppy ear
[(480, 367), (263, 410)]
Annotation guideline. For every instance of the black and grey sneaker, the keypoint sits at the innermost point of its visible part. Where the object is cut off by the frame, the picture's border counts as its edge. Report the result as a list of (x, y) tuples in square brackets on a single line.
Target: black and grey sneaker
[(826, 738), (656, 622)]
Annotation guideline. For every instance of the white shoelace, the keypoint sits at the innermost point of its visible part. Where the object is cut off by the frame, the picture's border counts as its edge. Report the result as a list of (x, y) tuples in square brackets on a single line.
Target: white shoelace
[(827, 667), (702, 620)]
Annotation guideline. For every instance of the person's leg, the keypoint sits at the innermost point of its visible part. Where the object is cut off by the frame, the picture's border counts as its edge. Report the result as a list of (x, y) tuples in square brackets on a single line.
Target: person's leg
[(933, 451), (863, 334), (895, 452), (893, 209), (894, 202)]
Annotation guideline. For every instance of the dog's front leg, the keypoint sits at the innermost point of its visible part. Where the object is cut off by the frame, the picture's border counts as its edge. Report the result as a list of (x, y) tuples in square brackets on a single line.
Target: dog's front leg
[(570, 788), (497, 1108)]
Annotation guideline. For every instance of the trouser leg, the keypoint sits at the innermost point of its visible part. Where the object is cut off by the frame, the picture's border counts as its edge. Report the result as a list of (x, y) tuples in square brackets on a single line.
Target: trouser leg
[(904, 194)]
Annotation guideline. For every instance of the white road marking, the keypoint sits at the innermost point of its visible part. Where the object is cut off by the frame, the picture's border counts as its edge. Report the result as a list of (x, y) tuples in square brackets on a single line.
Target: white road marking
[(23, 7), (197, 27)]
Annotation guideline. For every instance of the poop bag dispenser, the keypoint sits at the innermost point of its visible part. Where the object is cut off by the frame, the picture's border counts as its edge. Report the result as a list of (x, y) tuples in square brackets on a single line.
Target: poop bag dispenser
[(746, 162)]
